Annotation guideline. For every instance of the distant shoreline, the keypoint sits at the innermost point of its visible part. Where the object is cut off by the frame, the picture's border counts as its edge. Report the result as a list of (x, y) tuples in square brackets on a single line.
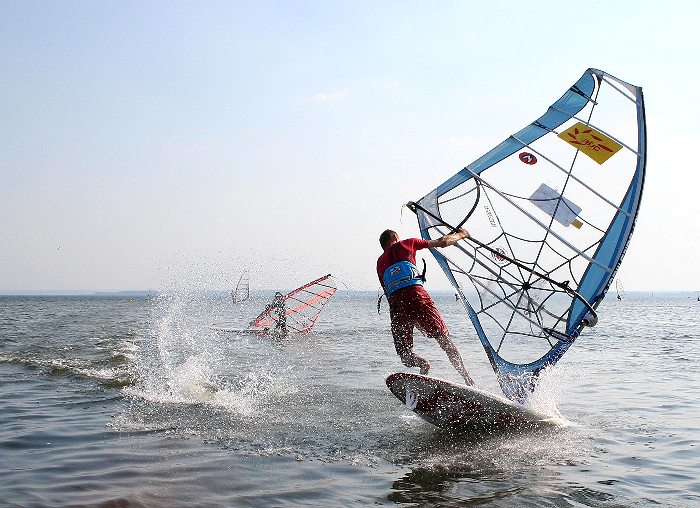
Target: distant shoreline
[(76, 293), (437, 292)]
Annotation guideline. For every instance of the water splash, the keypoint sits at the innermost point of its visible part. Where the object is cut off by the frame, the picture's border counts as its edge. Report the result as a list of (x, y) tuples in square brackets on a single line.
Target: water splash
[(183, 361), (551, 385)]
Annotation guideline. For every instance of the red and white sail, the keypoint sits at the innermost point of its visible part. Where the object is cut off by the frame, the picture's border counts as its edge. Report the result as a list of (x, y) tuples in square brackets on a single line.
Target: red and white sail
[(301, 306)]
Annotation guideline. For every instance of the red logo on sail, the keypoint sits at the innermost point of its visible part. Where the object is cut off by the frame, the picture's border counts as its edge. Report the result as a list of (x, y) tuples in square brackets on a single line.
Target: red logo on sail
[(499, 255), (527, 158)]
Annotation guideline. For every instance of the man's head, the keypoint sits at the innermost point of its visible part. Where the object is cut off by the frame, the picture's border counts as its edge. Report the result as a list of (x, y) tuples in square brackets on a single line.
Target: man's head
[(387, 238)]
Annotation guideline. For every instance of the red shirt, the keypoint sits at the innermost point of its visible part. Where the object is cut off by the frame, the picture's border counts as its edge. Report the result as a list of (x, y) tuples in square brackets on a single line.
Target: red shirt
[(404, 250)]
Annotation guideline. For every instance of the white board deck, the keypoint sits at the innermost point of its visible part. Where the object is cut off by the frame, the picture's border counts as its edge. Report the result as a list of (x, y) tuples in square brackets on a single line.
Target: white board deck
[(452, 406), (228, 329)]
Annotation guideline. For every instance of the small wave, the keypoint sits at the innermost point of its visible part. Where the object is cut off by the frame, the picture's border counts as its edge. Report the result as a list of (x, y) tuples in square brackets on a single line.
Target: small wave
[(245, 396), (109, 376)]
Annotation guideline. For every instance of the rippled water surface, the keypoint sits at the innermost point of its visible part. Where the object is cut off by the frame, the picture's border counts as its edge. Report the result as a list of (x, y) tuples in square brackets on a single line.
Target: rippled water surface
[(138, 402)]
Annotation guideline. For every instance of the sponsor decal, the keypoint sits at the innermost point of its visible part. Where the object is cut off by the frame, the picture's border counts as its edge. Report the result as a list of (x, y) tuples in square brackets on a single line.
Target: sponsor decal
[(411, 399), (499, 256), (527, 158), (489, 215), (596, 145)]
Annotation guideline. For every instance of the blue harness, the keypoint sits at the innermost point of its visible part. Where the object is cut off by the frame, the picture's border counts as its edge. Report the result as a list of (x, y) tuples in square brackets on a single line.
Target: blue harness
[(400, 275)]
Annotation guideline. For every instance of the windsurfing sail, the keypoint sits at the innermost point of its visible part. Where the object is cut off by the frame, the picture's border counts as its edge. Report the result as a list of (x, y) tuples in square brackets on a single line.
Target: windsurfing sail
[(242, 291), (301, 306), (619, 289), (550, 211)]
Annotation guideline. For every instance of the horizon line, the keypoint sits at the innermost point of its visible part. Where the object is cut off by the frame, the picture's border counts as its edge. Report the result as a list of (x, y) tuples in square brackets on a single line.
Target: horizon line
[(145, 292)]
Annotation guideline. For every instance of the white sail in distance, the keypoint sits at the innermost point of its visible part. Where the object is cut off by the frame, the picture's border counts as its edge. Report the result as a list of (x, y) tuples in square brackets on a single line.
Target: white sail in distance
[(242, 291)]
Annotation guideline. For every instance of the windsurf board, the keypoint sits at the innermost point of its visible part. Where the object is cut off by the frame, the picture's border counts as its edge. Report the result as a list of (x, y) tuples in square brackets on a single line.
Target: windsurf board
[(459, 407)]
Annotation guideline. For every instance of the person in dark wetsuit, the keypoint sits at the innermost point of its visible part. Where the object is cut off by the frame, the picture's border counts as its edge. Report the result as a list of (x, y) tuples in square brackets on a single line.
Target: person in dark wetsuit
[(410, 304), (279, 306)]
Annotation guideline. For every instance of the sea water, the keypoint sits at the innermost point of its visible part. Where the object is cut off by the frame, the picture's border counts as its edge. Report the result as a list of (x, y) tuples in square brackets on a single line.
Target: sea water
[(137, 401)]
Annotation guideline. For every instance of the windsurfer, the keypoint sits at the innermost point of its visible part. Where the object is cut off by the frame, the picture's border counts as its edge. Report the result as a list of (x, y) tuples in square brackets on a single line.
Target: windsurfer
[(410, 304), (277, 306)]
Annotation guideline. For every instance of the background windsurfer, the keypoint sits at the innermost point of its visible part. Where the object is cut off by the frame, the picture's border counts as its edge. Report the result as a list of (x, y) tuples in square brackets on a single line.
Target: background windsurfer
[(297, 311), (278, 307), (410, 304)]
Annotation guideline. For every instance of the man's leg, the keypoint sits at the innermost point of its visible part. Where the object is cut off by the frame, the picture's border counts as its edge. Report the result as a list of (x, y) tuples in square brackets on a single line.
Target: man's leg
[(403, 342), (431, 324), (455, 357)]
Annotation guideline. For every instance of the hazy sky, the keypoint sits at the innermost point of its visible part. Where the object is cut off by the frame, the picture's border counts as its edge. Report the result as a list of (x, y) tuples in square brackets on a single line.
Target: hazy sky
[(145, 142)]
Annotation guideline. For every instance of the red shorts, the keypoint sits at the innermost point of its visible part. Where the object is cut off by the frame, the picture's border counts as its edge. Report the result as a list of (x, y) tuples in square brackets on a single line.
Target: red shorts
[(412, 307)]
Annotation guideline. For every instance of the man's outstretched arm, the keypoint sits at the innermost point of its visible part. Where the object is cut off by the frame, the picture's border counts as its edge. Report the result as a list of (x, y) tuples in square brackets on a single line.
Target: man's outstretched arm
[(447, 240)]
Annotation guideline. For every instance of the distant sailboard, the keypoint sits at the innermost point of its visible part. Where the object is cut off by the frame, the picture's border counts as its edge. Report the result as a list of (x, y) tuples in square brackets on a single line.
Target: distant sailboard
[(551, 211), (619, 289), (302, 307), (242, 291)]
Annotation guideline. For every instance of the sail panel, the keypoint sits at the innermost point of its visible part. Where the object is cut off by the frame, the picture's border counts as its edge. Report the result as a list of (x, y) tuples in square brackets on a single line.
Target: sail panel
[(571, 103), (596, 281)]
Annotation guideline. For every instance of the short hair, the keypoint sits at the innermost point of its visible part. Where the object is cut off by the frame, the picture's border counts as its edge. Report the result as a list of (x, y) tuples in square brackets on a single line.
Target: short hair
[(386, 237)]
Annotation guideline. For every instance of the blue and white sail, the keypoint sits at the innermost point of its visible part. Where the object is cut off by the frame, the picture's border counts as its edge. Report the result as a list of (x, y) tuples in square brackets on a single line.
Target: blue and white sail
[(551, 211)]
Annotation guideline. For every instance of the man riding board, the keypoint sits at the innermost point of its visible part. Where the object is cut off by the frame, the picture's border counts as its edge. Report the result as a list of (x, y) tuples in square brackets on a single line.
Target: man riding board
[(410, 304)]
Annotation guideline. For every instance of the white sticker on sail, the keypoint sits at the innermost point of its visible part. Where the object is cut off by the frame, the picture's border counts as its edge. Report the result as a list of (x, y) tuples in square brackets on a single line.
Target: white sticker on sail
[(546, 199)]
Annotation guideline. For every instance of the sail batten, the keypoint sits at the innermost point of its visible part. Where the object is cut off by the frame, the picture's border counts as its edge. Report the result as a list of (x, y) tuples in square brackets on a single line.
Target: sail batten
[(551, 210)]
